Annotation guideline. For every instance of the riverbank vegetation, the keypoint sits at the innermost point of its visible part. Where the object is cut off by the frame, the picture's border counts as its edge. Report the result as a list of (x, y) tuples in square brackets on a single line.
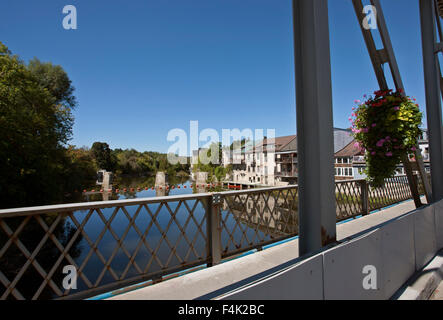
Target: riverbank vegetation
[(37, 164), (216, 171)]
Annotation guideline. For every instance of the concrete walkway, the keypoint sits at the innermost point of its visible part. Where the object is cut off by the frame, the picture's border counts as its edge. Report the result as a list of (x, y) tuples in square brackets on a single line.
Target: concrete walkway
[(209, 282), (438, 293), (424, 283)]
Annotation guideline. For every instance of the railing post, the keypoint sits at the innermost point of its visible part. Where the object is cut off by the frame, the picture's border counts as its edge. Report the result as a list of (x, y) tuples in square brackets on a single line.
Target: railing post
[(364, 187), (213, 228)]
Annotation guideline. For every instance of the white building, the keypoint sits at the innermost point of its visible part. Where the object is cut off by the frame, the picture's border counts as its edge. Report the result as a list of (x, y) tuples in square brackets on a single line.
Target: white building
[(274, 162)]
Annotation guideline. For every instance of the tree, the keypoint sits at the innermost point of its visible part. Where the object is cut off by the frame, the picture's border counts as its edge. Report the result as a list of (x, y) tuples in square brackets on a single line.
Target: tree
[(56, 80), (34, 128), (102, 155), (216, 171), (80, 169)]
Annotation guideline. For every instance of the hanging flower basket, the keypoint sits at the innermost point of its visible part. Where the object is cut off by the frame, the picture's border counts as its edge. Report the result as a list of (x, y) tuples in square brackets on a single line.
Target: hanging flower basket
[(386, 127)]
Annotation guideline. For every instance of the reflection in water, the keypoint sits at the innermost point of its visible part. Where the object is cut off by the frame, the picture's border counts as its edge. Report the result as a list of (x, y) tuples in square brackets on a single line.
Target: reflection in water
[(272, 217), (132, 188), (254, 219), (155, 237)]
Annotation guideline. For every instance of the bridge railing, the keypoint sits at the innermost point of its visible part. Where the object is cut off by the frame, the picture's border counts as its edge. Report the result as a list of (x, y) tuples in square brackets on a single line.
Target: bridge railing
[(112, 244)]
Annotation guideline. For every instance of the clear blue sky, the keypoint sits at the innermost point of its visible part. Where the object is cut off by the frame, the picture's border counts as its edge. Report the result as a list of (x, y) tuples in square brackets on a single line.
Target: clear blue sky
[(143, 67)]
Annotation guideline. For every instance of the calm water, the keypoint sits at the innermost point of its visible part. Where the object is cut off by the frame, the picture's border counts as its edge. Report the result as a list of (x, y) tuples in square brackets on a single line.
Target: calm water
[(181, 186), (164, 221)]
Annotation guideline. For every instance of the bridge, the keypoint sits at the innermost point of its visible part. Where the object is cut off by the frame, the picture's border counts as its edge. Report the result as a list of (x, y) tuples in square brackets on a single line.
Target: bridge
[(118, 246), (140, 242)]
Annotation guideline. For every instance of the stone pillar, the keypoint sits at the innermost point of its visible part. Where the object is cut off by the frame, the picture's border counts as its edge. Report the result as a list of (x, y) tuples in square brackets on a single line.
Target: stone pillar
[(201, 177), (160, 179), (107, 181), (160, 191)]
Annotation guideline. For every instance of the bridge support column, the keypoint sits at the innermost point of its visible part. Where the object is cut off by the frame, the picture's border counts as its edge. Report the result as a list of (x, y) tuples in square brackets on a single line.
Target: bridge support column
[(433, 102), (315, 140)]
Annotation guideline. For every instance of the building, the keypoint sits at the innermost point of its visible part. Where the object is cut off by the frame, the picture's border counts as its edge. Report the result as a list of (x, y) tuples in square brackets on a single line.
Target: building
[(341, 138), (350, 161), (286, 169), (273, 162)]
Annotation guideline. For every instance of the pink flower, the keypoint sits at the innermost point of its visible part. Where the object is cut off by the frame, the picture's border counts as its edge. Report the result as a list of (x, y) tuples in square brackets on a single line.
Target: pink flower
[(365, 130), (374, 124), (389, 154), (373, 153), (357, 101), (380, 143), (388, 138), (396, 108), (413, 148)]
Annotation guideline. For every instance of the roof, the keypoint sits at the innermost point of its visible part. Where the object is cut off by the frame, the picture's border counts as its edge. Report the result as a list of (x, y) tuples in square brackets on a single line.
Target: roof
[(281, 143), (349, 150), (341, 138)]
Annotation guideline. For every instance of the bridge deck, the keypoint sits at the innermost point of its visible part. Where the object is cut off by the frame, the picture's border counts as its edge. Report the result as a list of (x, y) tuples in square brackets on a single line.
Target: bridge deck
[(210, 282)]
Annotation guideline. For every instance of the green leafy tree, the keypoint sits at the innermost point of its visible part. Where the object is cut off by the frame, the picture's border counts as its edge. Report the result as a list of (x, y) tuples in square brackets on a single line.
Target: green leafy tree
[(34, 127), (216, 172), (102, 155), (55, 80)]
